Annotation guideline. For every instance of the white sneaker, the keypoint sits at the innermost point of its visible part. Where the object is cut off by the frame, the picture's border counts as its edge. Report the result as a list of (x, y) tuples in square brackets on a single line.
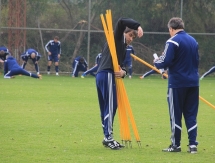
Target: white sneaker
[(38, 73), (48, 72), (129, 76), (57, 74)]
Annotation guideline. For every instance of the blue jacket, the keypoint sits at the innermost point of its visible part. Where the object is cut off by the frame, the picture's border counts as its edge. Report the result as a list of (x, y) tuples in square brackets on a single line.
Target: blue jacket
[(28, 53), (9, 64), (53, 47), (181, 58), (77, 62)]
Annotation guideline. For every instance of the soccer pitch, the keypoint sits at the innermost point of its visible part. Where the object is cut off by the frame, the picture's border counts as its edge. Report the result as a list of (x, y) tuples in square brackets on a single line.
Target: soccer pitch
[(57, 119)]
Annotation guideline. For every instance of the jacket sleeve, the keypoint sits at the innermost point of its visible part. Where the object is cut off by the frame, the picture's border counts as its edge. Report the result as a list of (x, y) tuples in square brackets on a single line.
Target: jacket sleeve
[(122, 23), (166, 58), (47, 46)]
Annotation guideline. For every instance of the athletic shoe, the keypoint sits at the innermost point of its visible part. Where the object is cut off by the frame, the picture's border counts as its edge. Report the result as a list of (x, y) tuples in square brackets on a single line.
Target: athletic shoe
[(112, 144), (192, 149), (57, 74), (172, 148), (82, 76), (38, 73), (129, 76), (40, 76), (48, 72)]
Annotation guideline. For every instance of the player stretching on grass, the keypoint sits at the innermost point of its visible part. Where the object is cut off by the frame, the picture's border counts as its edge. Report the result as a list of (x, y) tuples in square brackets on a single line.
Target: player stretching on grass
[(182, 59), (94, 68), (105, 78), (79, 64), (11, 68), (34, 56)]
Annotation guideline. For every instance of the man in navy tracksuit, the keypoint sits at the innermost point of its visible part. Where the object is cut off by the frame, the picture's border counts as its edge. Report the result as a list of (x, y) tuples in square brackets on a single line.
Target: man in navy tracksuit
[(11, 68), (79, 64), (33, 55), (128, 59), (182, 59), (105, 78), (53, 47), (94, 68)]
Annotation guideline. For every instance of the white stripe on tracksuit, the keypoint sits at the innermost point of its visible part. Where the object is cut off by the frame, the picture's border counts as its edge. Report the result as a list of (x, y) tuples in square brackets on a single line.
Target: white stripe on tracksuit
[(110, 120)]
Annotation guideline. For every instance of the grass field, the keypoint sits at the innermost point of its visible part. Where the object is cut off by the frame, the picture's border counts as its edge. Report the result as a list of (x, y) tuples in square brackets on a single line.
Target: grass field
[(57, 120)]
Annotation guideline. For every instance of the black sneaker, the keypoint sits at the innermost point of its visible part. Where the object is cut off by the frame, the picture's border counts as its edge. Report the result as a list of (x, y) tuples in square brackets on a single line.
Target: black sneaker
[(172, 148), (120, 145), (192, 149), (112, 144)]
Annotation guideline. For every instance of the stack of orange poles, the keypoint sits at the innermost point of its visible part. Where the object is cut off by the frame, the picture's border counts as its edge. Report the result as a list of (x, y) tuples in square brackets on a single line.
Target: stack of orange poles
[(124, 108), (154, 68)]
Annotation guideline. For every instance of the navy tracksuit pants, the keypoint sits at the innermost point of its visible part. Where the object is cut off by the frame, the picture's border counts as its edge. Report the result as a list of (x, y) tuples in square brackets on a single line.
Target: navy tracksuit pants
[(183, 101), (106, 88)]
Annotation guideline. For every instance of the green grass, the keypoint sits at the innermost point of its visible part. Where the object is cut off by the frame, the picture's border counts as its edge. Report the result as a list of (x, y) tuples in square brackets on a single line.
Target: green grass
[(56, 120)]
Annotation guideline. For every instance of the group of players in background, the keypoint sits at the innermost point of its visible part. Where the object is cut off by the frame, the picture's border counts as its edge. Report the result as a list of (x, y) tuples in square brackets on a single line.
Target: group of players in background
[(53, 48)]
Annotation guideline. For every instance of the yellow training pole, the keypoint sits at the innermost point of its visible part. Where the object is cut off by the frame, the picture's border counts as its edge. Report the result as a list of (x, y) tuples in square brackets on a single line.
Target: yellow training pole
[(154, 68)]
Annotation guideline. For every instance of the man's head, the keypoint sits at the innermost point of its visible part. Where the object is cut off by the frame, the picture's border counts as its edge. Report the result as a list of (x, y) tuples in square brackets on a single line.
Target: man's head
[(2, 52), (33, 55), (130, 35), (56, 39), (81, 60), (175, 24)]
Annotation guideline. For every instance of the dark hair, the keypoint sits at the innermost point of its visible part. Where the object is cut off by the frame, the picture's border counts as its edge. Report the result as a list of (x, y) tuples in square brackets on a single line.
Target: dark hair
[(56, 37), (127, 30), (175, 23), (81, 59)]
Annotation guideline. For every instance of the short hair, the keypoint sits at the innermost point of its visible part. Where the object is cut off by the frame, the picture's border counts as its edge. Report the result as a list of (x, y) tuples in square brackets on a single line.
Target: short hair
[(2, 52), (175, 23), (127, 30), (56, 37), (81, 59)]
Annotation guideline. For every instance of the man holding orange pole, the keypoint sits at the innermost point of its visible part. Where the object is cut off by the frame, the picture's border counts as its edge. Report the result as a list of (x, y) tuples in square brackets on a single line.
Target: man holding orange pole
[(125, 31)]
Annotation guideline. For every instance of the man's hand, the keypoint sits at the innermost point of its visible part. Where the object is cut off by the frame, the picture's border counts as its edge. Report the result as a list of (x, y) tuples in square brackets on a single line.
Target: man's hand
[(139, 31), (119, 74), (49, 53), (58, 56)]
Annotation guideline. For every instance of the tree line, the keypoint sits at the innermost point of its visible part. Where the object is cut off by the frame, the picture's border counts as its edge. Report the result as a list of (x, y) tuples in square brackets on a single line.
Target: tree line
[(198, 15)]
